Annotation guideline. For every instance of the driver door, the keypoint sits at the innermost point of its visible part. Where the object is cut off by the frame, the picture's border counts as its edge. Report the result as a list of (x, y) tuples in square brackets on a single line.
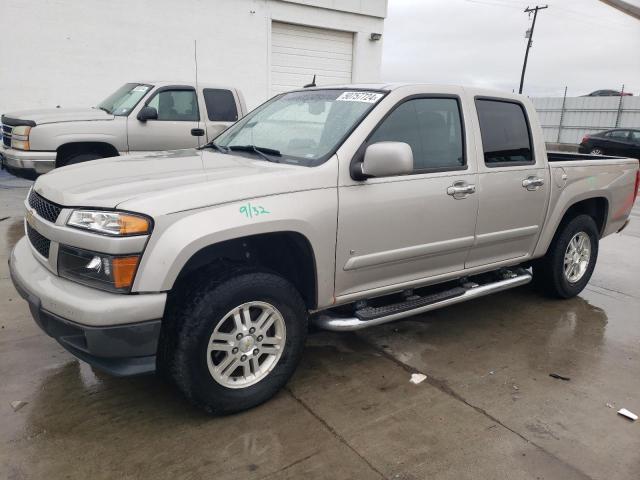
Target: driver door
[(178, 114), (396, 231)]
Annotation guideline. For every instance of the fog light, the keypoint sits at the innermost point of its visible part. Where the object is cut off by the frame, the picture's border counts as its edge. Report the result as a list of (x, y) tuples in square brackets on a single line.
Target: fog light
[(99, 270)]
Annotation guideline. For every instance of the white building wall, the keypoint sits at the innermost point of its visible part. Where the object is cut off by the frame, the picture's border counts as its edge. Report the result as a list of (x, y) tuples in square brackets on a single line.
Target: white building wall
[(76, 52), (584, 115)]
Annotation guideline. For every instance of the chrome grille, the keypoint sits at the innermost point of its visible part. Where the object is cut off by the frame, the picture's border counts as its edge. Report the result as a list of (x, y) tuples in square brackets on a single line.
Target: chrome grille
[(46, 209), (39, 242), (6, 135)]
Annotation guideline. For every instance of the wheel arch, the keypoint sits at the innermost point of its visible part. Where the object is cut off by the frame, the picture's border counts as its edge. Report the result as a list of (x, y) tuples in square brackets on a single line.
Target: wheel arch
[(597, 207), (68, 149), (287, 253)]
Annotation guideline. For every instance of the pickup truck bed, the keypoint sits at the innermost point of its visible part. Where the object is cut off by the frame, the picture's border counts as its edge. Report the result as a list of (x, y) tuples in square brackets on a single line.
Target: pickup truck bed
[(574, 157)]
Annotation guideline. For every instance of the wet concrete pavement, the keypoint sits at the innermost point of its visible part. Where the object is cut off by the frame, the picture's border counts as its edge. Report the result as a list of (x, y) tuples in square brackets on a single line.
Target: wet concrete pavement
[(488, 408)]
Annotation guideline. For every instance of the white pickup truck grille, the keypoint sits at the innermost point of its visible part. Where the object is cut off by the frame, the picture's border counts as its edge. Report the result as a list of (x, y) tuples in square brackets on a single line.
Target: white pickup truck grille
[(6, 135)]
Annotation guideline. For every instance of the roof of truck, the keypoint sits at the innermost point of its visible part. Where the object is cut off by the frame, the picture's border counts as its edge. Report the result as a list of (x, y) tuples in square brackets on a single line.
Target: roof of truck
[(396, 85), (166, 83)]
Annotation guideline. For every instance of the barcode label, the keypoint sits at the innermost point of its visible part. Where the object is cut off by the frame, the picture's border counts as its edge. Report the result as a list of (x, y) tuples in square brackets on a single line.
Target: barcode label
[(367, 97)]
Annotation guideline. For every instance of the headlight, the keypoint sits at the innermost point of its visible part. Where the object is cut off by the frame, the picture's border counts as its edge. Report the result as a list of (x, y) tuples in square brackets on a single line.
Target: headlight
[(20, 137), (99, 270), (110, 223), (21, 130)]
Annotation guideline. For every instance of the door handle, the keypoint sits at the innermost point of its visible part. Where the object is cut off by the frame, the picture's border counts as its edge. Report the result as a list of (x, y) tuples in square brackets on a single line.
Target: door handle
[(197, 132), (532, 183), (460, 190)]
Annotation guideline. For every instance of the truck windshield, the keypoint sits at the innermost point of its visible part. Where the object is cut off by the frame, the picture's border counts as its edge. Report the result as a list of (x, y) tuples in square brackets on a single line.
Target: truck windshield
[(123, 100), (303, 127)]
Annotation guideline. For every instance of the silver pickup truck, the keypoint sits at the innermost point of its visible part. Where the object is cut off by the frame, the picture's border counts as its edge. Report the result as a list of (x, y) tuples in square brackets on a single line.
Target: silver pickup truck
[(138, 117), (346, 207)]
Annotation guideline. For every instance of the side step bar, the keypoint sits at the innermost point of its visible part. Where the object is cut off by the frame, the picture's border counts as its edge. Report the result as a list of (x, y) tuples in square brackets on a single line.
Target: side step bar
[(363, 318)]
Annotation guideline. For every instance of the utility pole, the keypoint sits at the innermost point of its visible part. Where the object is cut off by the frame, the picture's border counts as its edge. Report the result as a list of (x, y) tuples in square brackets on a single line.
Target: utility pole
[(530, 42)]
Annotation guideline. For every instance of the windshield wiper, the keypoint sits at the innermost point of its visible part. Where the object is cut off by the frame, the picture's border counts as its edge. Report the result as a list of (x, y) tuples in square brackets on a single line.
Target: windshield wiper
[(215, 146), (105, 109), (264, 152)]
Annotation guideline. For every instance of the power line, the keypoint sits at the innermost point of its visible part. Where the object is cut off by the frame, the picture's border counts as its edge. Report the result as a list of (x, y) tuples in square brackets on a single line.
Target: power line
[(530, 42), (492, 4)]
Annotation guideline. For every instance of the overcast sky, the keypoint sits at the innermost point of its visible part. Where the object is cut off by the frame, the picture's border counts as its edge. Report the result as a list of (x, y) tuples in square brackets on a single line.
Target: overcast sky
[(583, 44)]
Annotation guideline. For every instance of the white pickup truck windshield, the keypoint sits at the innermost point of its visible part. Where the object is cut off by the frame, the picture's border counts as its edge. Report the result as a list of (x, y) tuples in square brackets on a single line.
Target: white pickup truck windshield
[(302, 127), (123, 100)]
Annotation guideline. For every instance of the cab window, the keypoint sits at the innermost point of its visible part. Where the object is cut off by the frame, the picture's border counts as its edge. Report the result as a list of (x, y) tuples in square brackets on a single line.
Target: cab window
[(221, 105), (176, 105), (504, 129), (433, 129)]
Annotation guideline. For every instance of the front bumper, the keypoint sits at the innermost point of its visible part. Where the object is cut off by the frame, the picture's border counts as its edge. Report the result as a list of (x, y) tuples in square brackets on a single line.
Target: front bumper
[(119, 333), (27, 164)]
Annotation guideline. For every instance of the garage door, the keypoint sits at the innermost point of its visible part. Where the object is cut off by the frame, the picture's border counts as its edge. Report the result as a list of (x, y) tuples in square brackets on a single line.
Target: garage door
[(298, 53)]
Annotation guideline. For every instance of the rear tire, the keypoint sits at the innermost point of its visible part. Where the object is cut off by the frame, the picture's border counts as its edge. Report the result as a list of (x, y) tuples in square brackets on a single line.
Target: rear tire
[(218, 352), (568, 265), (597, 151)]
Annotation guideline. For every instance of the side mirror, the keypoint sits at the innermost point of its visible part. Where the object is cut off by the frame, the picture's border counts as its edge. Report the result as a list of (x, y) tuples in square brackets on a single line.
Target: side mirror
[(387, 159), (147, 113)]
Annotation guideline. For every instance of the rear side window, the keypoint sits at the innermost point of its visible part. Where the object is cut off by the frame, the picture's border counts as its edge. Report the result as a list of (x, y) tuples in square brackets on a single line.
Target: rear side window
[(221, 105), (433, 129), (505, 133), (619, 134)]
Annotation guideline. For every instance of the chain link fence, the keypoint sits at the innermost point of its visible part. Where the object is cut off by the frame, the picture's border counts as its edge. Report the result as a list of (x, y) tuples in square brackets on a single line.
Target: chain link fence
[(566, 120)]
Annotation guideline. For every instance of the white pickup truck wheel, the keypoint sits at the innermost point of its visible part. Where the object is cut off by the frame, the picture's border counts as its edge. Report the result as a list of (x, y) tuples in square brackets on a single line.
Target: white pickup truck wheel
[(567, 267), (237, 341)]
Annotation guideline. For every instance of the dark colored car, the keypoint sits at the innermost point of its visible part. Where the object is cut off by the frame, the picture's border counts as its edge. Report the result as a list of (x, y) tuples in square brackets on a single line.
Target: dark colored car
[(621, 141), (608, 93)]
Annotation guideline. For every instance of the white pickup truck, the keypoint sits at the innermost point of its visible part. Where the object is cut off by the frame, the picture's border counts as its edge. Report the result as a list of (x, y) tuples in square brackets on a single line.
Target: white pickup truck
[(347, 207), (138, 117)]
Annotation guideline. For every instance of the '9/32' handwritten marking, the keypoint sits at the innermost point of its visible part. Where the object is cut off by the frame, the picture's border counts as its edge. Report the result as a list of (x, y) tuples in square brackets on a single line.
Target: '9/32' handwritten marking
[(250, 211)]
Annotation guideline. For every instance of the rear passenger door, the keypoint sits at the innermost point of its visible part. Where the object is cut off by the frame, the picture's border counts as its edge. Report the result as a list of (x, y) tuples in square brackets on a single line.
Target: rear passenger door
[(178, 114), (513, 184), (222, 110)]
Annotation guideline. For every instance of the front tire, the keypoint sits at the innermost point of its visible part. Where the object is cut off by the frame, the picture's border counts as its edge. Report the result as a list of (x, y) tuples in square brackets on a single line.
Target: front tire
[(568, 265), (237, 342), (80, 158)]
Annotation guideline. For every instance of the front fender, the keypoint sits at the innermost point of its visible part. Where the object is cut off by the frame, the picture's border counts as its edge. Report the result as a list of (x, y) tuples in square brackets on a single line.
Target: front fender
[(50, 136), (177, 237)]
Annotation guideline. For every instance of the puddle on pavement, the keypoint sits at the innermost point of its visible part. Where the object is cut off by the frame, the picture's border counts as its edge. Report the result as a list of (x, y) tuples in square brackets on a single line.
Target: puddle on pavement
[(14, 233)]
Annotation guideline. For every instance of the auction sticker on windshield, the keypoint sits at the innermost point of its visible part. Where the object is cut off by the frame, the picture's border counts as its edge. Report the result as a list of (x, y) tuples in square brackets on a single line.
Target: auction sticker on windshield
[(367, 97)]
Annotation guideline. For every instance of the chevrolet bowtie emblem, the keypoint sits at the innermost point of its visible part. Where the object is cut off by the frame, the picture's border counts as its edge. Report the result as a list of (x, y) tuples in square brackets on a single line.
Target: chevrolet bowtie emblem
[(29, 217)]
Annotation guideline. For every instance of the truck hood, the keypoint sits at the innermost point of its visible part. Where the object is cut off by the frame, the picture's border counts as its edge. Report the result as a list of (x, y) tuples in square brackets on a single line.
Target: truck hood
[(168, 182), (55, 115)]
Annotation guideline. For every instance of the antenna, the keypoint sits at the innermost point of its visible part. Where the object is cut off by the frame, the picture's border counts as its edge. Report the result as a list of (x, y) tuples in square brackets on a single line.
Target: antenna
[(312, 84), (195, 61)]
